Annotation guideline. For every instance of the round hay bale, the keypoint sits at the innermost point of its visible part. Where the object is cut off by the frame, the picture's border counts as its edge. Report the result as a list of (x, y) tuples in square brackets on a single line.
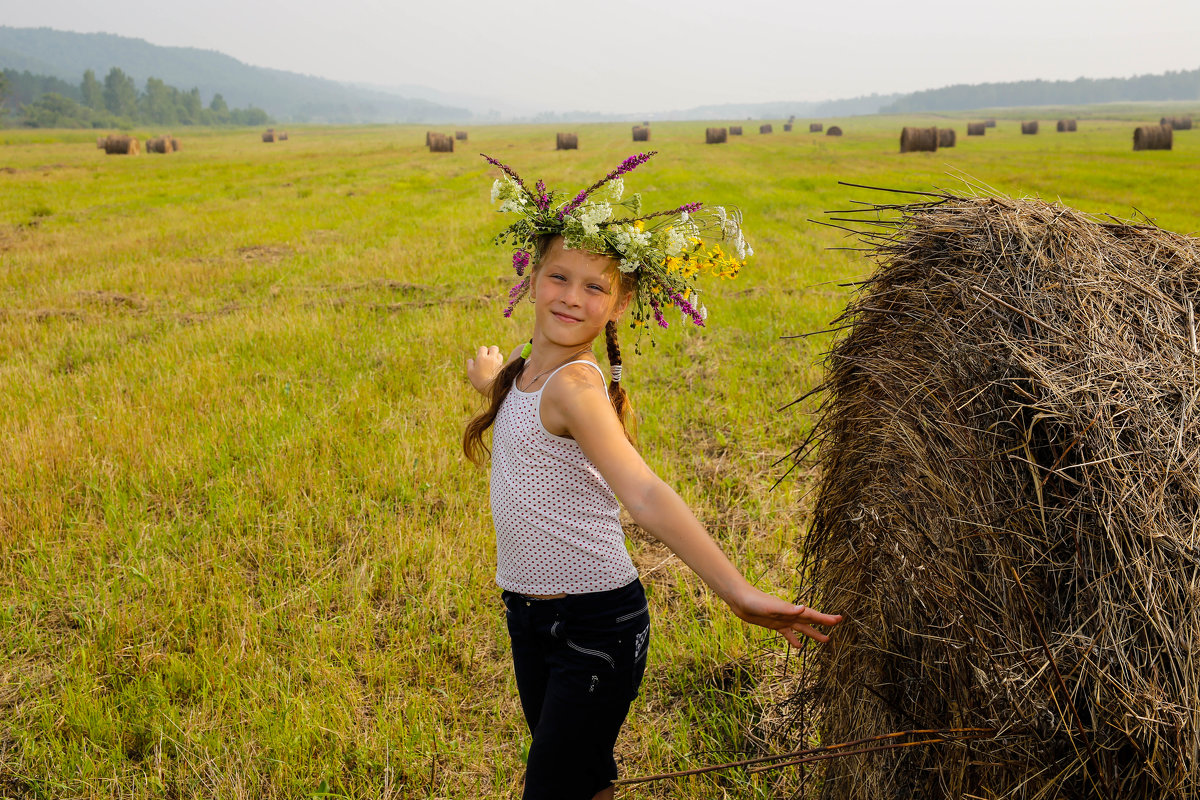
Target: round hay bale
[(976, 128), (1177, 123), (989, 123), (815, 127), (787, 127), (834, 130), (1067, 126), (428, 137), (269, 135), (913, 140), (567, 141), (460, 136), (716, 135), (1029, 127), (735, 130), (765, 128), (441, 143), (122, 146), (1153, 137), (946, 137), (175, 146), (100, 142), (161, 144), (1007, 508), (282, 136), (641, 133)]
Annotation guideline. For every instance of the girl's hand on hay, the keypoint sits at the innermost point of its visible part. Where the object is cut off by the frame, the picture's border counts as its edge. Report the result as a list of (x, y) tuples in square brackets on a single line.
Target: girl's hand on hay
[(482, 369), (759, 608)]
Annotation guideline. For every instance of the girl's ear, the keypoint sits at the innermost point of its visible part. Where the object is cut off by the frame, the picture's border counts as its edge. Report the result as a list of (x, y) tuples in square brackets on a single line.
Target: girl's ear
[(622, 304)]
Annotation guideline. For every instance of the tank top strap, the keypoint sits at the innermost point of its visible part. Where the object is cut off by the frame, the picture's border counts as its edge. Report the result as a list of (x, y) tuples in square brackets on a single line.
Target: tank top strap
[(569, 363)]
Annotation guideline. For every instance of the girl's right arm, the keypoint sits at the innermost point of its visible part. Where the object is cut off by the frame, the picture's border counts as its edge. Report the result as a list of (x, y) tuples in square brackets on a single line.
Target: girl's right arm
[(483, 368)]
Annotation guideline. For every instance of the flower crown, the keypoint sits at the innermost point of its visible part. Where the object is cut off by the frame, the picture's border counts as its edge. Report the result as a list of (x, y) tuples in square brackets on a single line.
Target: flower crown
[(665, 251)]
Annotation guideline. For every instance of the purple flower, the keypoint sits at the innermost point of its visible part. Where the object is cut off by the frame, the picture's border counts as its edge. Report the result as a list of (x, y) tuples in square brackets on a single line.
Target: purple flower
[(515, 294), (520, 261), (543, 200), (658, 315), (690, 208), (628, 165), (687, 308)]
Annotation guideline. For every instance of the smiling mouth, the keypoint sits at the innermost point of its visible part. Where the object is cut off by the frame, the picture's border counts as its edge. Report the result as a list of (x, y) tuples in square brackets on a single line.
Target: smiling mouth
[(564, 317)]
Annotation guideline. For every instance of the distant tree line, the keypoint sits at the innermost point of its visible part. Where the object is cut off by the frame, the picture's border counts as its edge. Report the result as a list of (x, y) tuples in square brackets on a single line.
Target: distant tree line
[(43, 101), (1182, 85)]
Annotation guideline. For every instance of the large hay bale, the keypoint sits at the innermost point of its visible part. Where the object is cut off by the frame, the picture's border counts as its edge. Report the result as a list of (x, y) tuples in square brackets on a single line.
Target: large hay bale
[(976, 128), (765, 128), (122, 145), (281, 136), (269, 135), (1007, 510), (460, 136), (175, 146), (1153, 137), (441, 143), (1067, 126), (100, 141), (914, 140), (1177, 123), (1029, 127), (834, 130), (787, 127), (715, 135), (735, 130), (815, 127), (641, 133), (161, 144), (989, 123), (946, 137), (567, 141)]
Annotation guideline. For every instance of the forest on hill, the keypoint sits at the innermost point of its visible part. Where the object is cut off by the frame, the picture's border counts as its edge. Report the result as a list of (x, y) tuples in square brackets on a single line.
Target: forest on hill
[(44, 101)]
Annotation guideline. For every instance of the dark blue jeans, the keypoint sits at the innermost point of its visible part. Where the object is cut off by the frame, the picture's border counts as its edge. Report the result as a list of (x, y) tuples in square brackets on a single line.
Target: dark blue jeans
[(579, 662)]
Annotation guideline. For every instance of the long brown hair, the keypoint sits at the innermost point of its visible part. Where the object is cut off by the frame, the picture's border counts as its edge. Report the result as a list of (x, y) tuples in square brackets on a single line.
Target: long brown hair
[(473, 445)]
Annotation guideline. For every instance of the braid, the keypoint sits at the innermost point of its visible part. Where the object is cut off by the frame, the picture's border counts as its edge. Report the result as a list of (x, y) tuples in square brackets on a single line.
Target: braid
[(616, 392)]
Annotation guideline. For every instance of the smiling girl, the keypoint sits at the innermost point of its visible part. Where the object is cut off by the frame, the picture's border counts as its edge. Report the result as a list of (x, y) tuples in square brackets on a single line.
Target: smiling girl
[(562, 456)]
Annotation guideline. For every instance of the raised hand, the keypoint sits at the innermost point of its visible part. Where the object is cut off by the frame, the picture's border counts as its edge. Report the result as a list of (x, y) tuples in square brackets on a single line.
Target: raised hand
[(482, 369)]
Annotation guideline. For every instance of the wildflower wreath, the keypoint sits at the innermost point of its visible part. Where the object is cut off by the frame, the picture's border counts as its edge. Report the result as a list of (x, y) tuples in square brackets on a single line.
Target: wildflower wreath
[(665, 251)]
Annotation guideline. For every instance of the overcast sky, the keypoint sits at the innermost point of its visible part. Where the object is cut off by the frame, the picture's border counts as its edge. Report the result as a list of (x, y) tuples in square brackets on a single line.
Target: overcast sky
[(633, 55)]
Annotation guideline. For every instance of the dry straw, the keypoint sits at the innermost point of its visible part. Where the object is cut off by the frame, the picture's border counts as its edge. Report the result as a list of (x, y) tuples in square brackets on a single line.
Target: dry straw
[(787, 127), (946, 137), (976, 128), (269, 135), (641, 133), (716, 135), (1067, 126), (282, 136), (567, 141), (914, 140), (440, 143), (1029, 127), (834, 130), (815, 127), (162, 144), (1008, 508), (460, 136), (735, 130), (1177, 123), (989, 123), (122, 146), (1153, 137), (765, 128)]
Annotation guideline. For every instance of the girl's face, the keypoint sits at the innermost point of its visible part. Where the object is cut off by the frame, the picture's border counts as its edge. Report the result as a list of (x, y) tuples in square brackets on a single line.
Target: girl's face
[(575, 294)]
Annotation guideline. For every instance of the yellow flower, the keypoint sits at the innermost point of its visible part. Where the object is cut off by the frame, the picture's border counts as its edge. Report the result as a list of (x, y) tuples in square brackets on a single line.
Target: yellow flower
[(640, 225)]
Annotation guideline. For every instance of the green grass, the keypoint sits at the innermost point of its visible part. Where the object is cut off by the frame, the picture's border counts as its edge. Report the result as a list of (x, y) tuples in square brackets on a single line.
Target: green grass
[(241, 553)]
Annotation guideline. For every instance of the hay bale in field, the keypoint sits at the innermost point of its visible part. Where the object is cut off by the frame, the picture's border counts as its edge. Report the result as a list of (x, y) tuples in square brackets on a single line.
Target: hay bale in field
[(161, 144), (460, 136), (735, 130), (1153, 137), (567, 141), (100, 142), (175, 146), (765, 128), (1177, 123), (913, 140), (269, 135), (1029, 127), (989, 123), (641, 133), (1067, 126), (122, 146), (976, 128), (715, 135), (282, 136), (441, 143), (946, 137), (787, 127), (815, 127), (834, 130), (1007, 510)]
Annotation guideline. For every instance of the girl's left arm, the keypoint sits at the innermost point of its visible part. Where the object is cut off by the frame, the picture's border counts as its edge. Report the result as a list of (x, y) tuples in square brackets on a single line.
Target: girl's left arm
[(588, 415)]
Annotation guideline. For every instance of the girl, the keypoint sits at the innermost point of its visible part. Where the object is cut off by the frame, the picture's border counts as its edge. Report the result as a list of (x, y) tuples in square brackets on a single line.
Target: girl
[(562, 455)]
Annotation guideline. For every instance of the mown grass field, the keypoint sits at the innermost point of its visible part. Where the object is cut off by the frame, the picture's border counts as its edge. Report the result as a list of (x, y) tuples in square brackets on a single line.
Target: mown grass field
[(241, 554)]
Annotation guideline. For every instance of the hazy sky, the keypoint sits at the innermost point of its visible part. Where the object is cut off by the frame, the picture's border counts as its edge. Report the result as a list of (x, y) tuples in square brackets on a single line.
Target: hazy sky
[(633, 55)]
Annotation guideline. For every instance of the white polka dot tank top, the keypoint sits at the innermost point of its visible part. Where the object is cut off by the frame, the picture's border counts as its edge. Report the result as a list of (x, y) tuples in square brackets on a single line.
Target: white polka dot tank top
[(558, 526)]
